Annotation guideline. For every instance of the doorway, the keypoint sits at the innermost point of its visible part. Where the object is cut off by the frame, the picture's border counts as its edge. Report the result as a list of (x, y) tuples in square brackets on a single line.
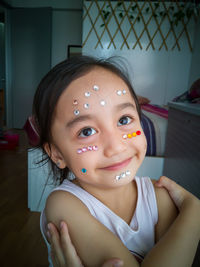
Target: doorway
[(2, 72)]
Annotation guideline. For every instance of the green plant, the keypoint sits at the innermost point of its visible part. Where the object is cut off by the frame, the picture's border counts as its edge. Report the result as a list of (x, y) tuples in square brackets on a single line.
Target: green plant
[(175, 15)]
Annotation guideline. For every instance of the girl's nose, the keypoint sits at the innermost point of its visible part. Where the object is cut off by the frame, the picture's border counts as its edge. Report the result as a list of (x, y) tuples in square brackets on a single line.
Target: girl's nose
[(113, 145)]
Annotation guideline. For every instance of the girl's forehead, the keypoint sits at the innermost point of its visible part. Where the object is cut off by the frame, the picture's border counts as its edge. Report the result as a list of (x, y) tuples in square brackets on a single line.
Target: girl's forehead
[(98, 81), (95, 92)]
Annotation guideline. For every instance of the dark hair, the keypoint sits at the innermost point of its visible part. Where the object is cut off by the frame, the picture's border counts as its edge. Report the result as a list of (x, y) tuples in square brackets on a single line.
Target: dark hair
[(52, 86)]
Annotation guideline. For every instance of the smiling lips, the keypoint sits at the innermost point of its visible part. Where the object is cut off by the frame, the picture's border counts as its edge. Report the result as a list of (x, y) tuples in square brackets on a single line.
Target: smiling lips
[(118, 166)]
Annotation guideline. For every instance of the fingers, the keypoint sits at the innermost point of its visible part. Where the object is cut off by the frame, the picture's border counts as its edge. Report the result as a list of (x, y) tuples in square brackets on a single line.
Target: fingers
[(69, 252), (63, 251), (177, 192), (169, 184), (165, 182), (56, 250), (113, 263)]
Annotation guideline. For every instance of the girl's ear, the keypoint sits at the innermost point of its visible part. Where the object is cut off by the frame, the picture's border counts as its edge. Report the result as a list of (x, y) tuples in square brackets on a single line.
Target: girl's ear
[(55, 155)]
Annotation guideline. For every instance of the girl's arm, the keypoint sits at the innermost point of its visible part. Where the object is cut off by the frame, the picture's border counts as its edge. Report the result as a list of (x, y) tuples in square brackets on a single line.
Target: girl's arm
[(63, 252), (94, 243), (178, 245)]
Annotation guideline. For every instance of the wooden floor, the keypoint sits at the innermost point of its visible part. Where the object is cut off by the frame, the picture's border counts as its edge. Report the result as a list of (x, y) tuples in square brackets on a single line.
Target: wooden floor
[(21, 243)]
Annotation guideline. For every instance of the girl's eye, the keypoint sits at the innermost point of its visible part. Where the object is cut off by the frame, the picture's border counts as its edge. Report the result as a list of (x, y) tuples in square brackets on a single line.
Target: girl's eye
[(87, 132), (124, 120)]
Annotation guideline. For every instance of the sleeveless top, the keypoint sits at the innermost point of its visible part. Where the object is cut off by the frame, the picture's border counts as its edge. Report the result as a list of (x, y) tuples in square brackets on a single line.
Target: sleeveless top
[(139, 235)]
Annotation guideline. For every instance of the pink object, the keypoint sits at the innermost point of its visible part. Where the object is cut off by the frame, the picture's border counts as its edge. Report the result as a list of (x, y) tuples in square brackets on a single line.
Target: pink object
[(10, 141), (156, 110), (31, 130), (11, 138)]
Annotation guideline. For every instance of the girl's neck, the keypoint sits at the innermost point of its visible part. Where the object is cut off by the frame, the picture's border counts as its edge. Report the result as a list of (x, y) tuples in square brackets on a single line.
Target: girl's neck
[(121, 200)]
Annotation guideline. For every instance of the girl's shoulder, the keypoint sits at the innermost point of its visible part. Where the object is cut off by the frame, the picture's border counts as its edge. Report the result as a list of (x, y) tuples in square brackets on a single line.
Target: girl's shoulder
[(59, 203)]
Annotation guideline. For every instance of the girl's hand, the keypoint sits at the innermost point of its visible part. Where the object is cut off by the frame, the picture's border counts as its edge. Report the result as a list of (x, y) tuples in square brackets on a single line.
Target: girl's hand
[(179, 195), (63, 253)]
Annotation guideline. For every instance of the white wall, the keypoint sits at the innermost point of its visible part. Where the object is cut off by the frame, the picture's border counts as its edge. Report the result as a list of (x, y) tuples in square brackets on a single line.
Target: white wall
[(158, 75), (195, 64), (66, 30)]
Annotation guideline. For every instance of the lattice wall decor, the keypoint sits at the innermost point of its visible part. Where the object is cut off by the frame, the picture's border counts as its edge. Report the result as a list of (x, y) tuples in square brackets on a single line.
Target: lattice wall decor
[(136, 24)]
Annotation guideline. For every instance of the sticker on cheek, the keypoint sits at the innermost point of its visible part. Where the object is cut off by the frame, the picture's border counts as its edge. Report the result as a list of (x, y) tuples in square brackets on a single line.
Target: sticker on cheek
[(83, 170), (76, 112), (122, 175), (131, 135), (86, 149)]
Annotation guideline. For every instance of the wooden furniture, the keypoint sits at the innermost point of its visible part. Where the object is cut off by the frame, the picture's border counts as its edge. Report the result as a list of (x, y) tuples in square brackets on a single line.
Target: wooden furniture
[(182, 153)]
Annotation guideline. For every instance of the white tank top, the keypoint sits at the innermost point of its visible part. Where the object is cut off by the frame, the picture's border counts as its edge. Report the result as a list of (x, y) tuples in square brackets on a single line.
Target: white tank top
[(139, 235)]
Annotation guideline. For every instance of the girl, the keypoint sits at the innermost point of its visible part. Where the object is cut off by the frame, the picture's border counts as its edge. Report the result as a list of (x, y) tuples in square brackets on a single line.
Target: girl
[(88, 120)]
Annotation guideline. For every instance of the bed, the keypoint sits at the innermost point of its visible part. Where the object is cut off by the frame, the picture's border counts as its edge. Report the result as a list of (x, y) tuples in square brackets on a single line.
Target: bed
[(154, 123)]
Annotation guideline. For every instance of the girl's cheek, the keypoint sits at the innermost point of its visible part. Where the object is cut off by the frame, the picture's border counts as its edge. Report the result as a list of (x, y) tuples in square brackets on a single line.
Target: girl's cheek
[(143, 141), (86, 155), (145, 146), (85, 162), (140, 142)]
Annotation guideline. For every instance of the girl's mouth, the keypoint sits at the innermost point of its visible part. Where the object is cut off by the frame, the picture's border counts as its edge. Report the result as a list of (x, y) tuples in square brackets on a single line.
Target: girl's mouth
[(117, 166)]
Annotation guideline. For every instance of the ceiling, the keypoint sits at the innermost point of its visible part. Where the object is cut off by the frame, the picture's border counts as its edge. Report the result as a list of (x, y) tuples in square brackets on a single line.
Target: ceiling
[(42, 3)]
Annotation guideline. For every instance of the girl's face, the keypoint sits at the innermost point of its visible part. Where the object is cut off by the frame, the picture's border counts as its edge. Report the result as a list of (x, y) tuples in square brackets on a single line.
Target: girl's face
[(95, 113)]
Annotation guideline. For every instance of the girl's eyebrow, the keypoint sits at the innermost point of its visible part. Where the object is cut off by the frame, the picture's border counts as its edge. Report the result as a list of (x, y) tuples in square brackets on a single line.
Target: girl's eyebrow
[(82, 118), (125, 105), (79, 119)]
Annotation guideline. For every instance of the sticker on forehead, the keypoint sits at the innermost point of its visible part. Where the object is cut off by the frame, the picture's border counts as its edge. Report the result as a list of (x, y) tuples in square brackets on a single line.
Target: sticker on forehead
[(96, 88), (121, 92), (102, 102), (87, 94)]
